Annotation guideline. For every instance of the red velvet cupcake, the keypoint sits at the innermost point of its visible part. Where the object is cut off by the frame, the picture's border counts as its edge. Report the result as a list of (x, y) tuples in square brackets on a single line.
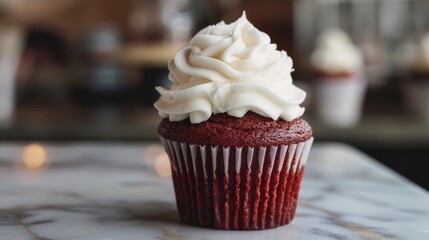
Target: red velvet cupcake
[(340, 84), (232, 130)]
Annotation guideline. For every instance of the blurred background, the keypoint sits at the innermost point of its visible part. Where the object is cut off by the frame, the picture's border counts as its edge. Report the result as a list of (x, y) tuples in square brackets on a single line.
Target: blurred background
[(79, 70)]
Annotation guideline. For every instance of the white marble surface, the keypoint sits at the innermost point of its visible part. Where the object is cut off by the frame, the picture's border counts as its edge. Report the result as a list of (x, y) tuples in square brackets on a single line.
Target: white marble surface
[(116, 191)]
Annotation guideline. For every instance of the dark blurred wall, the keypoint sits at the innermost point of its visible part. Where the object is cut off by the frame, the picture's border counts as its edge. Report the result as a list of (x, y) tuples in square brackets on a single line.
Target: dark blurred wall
[(71, 18)]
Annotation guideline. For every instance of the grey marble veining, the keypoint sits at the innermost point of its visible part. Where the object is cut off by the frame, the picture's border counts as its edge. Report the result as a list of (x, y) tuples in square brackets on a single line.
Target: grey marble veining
[(122, 191)]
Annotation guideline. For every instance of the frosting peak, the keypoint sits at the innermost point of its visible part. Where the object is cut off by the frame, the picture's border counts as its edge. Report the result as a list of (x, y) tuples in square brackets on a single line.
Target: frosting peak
[(230, 68)]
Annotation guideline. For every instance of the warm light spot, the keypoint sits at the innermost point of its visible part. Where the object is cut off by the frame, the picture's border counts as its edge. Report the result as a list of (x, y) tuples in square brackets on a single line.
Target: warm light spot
[(34, 156), (162, 165), (151, 152)]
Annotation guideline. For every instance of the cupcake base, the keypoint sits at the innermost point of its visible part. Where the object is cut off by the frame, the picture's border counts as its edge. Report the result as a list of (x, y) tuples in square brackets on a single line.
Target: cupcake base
[(240, 188), (339, 101)]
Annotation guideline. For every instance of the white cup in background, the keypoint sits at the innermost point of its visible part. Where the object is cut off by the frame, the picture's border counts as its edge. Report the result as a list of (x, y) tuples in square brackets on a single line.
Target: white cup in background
[(11, 40)]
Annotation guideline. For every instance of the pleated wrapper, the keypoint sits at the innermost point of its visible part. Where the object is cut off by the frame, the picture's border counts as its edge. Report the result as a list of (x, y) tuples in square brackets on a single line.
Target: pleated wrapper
[(239, 188)]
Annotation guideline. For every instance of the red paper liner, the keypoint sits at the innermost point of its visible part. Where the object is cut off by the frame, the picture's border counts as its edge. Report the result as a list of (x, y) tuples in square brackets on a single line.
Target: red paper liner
[(240, 188)]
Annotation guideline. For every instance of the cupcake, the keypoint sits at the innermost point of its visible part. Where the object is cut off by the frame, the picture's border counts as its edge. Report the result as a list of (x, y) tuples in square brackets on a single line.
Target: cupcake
[(340, 86), (416, 86), (232, 129)]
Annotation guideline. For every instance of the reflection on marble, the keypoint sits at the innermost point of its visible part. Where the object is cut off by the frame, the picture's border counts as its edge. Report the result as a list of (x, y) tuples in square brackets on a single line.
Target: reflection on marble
[(123, 191)]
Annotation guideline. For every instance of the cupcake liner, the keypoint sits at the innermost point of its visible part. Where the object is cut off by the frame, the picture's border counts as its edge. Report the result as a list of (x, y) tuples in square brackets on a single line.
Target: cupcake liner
[(242, 188), (339, 101)]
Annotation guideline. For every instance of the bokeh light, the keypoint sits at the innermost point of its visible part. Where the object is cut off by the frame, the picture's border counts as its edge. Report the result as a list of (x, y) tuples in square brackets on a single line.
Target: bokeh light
[(34, 156), (162, 165)]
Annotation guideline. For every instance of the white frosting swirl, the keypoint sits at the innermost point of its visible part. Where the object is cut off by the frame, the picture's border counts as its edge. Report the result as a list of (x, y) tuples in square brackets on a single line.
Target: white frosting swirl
[(230, 68), (335, 53)]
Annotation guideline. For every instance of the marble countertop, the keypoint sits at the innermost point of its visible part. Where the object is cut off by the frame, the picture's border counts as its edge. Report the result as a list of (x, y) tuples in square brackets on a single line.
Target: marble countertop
[(123, 191)]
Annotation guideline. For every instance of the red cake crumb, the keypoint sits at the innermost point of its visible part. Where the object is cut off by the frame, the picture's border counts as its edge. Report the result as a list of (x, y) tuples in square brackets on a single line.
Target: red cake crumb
[(224, 130)]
